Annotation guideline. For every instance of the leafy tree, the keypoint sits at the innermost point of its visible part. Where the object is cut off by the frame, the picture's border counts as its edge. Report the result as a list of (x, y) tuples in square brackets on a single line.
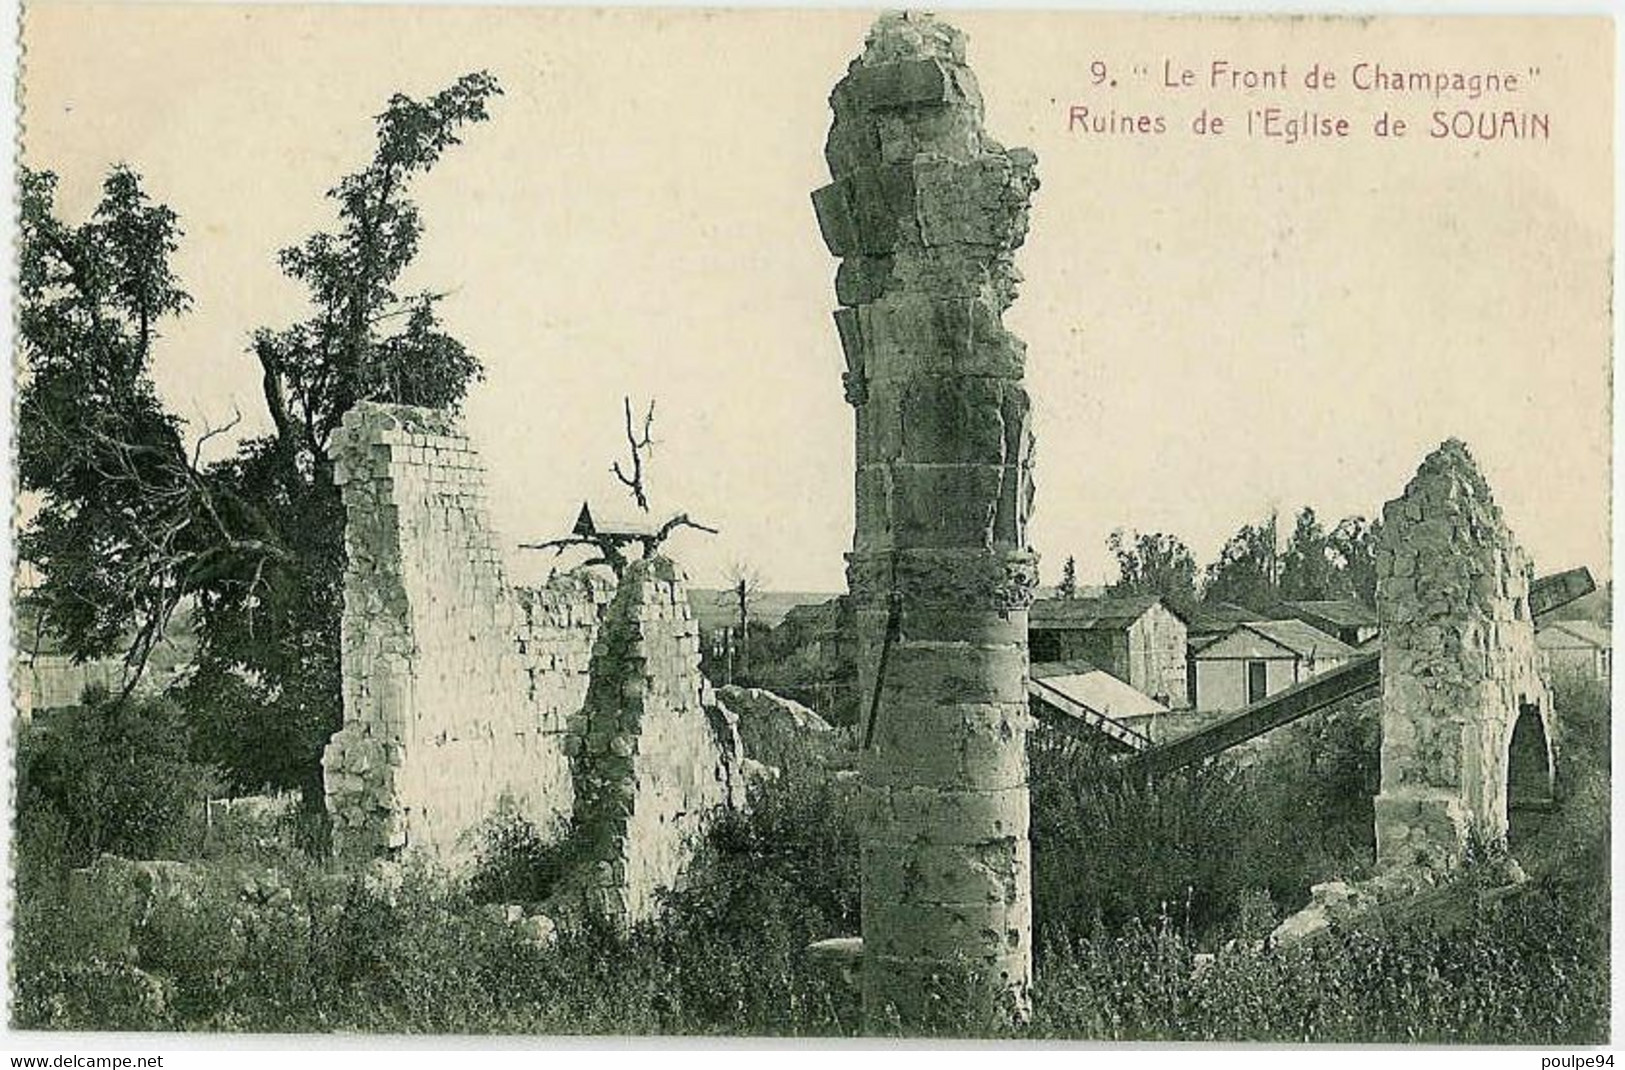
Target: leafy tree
[(1155, 564), (266, 693), (1068, 587), (128, 522), (1353, 545), (1248, 569), (132, 525), (1310, 568)]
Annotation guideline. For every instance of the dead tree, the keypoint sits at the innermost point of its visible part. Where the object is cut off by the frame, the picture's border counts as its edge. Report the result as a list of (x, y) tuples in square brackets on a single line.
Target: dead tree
[(612, 543), (637, 444), (744, 582)]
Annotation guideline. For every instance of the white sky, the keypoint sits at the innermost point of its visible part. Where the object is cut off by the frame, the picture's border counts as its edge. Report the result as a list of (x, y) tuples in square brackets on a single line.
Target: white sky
[(1212, 329)]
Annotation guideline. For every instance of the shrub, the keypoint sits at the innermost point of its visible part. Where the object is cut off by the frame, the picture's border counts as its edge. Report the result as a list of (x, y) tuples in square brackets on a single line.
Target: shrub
[(1251, 827), (730, 948), (109, 777), (1576, 839), (515, 863), (1111, 846), (1582, 708), (306, 946)]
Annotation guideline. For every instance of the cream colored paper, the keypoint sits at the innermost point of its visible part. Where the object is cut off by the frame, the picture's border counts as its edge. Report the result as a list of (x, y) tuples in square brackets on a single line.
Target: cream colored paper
[(1216, 325)]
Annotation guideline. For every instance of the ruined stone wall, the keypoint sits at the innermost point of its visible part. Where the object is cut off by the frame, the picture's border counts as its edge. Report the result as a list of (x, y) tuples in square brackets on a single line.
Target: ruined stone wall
[(925, 212), (457, 688), (654, 758), (1459, 662), (555, 628)]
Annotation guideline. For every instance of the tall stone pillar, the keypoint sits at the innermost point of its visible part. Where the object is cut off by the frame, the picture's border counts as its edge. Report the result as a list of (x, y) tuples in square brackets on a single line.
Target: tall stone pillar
[(1459, 664), (925, 212)]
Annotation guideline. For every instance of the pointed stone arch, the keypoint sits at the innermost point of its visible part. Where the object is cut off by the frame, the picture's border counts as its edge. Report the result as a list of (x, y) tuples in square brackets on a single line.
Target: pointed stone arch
[(1531, 769)]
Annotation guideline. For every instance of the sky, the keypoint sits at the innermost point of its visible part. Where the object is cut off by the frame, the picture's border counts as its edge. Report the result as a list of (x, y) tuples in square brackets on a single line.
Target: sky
[(1215, 326)]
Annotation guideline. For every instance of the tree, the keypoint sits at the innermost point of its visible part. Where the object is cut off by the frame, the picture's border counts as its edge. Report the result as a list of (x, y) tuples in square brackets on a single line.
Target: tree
[(745, 583), (1068, 587), (133, 525), (129, 523), (1153, 564), (1247, 571), (1353, 545), (612, 543), (268, 668), (1311, 568)]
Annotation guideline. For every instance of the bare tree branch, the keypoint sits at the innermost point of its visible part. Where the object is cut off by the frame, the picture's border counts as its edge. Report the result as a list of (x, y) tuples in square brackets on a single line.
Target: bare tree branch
[(214, 432), (638, 444), (681, 520)]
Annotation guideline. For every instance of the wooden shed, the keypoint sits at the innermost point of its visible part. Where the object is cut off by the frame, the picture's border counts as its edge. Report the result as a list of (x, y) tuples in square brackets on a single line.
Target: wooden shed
[(1140, 640), (1577, 646), (1259, 658)]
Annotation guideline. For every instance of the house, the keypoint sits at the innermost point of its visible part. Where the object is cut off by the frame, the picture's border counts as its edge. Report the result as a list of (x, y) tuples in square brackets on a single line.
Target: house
[(1259, 658), (1139, 640), (1582, 647), (1353, 622)]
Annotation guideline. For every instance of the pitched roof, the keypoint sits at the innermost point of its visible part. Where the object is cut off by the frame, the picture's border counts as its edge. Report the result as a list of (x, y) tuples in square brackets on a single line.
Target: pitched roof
[(1091, 614), (1343, 612), (1301, 638), (607, 521), (1097, 690), (1220, 616), (1577, 633)]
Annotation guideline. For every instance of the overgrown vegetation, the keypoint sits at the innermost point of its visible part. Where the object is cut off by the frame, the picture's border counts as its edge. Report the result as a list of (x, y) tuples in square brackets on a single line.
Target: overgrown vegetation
[(1151, 903), (110, 777), (1205, 844), (307, 946), (1533, 970)]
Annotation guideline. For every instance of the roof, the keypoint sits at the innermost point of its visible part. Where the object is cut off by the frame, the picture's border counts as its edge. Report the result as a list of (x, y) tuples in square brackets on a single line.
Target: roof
[(1043, 670), (606, 522), (1342, 612), (1292, 635), (1574, 633), (1091, 614), (1220, 616), (1097, 690), (1301, 638)]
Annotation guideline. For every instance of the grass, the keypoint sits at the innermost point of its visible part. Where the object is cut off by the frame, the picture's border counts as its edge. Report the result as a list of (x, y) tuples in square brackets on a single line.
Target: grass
[(1134, 889)]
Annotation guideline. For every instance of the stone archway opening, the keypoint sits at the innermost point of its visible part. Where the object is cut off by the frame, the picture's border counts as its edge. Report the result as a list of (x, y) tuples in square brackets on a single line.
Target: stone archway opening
[(1529, 774)]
